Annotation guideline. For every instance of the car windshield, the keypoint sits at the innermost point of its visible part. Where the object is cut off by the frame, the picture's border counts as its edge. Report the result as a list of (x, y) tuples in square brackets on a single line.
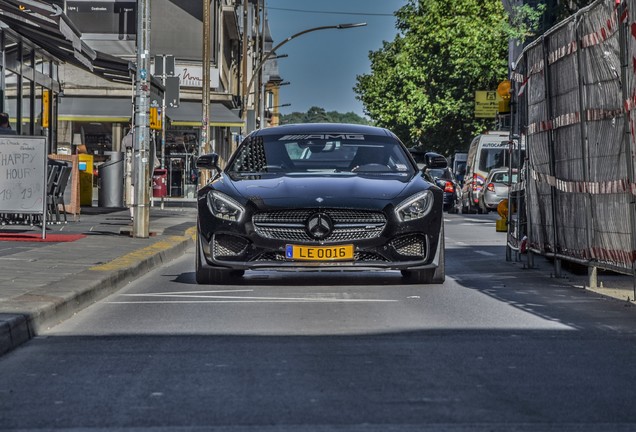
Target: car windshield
[(348, 154), (503, 177), (492, 158)]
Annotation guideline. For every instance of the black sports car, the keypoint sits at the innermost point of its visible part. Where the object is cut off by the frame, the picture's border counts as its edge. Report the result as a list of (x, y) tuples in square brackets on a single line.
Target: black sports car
[(319, 197)]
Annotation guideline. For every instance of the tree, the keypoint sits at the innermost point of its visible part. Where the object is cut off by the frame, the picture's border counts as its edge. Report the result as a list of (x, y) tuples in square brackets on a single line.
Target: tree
[(422, 84), (319, 115)]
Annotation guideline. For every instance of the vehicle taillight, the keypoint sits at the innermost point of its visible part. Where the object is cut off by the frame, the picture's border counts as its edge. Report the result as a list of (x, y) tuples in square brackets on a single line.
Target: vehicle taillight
[(449, 187), (491, 187)]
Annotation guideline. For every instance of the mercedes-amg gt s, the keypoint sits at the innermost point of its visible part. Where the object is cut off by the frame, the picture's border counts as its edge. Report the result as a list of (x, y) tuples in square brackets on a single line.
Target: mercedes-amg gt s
[(319, 197)]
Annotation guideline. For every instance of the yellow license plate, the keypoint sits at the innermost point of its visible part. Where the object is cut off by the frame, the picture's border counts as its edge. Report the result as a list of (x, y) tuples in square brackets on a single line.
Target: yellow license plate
[(319, 253)]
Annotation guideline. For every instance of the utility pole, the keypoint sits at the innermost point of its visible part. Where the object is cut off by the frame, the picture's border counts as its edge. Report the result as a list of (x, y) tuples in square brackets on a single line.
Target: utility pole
[(204, 146), (141, 211), (244, 86)]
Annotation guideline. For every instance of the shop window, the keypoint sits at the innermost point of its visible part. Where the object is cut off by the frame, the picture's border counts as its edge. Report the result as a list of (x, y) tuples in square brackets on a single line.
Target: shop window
[(11, 52), (28, 56), (97, 137)]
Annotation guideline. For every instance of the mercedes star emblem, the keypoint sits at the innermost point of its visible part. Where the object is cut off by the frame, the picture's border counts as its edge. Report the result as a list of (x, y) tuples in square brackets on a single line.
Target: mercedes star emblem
[(319, 226)]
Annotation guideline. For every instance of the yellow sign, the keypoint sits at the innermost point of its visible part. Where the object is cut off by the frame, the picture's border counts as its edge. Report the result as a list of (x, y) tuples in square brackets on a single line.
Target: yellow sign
[(155, 118), (486, 104), (46, 103)]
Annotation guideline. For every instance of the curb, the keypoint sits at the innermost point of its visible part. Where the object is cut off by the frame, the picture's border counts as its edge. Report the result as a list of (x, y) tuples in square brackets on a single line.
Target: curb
[(45, 307)]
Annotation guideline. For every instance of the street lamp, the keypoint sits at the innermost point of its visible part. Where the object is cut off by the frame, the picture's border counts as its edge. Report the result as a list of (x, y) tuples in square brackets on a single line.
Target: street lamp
[(279, 106), (273, 51)]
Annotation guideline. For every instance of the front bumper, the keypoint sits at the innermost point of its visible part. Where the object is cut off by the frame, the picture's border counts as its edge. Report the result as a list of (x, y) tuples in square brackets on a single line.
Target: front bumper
[(246, 246), (492, 201)]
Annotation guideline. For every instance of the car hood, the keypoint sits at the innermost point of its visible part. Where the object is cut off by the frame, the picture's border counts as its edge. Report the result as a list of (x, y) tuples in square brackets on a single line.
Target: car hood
[(310, 191)]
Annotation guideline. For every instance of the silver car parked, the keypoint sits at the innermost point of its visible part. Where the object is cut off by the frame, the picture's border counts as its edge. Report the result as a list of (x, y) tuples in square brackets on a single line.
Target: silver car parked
[(496, 187)]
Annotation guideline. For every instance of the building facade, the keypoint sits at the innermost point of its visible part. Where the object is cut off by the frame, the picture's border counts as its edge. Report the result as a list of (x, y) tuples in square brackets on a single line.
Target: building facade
[(97, 111), (84, 101)]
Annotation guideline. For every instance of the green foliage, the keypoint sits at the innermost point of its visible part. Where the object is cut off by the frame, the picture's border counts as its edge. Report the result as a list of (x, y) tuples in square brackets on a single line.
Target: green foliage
[(319, 115), (524, 22), (422, 84)]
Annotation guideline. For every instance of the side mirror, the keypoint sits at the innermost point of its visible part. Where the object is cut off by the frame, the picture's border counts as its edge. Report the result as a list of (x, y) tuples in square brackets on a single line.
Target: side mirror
[(208, 161), (435, 160)]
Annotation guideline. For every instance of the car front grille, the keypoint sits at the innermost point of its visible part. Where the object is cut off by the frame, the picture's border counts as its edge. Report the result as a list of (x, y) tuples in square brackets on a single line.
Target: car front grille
[(348, 225)]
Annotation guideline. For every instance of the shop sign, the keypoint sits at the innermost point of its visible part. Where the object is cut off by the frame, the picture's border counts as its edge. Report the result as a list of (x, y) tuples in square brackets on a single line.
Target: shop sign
[(192, 76)]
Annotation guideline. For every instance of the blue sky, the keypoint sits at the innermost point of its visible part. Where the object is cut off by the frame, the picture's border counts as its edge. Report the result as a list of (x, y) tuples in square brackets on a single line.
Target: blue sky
[(322, 66)]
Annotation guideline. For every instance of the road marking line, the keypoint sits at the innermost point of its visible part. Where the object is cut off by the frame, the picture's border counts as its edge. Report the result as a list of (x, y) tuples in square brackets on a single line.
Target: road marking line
[(308, 299), (255, 300), (489, 254), (190, 292)]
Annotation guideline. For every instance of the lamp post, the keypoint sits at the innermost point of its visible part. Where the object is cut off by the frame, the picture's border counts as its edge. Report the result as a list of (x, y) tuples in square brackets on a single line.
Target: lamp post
[(272, 52)]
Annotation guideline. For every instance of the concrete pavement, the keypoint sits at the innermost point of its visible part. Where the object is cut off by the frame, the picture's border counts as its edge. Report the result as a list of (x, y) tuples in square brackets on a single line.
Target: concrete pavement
[(43, 283)]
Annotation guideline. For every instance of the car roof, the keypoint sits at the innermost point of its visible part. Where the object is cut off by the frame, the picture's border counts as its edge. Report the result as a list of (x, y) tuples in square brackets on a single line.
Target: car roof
[(330, 128)]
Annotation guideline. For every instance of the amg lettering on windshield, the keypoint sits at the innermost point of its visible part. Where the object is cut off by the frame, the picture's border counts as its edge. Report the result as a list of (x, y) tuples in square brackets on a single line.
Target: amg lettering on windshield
[(322, 136)]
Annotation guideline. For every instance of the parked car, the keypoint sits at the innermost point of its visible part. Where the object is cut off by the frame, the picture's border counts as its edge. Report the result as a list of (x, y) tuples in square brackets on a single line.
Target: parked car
[(497, 187), (278, 206), (445, 179)]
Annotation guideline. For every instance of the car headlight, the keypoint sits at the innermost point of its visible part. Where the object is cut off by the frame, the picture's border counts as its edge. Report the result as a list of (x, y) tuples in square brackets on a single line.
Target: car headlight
[(224, 207), (415, 207)]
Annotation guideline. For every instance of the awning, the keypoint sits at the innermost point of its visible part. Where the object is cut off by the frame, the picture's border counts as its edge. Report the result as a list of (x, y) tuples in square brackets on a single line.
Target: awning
[(95, 109), (190, 113), (45, 24)]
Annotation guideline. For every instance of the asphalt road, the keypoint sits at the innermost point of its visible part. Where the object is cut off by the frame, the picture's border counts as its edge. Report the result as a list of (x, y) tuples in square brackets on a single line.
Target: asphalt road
[(495, 348)]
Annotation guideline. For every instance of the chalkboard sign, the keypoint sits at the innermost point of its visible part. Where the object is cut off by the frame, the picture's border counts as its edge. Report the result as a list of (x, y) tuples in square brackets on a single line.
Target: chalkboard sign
[(22, 174)]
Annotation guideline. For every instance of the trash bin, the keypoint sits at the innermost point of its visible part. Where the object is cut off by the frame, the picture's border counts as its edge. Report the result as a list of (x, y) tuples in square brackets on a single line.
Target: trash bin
[(160, 183), (111, 181)]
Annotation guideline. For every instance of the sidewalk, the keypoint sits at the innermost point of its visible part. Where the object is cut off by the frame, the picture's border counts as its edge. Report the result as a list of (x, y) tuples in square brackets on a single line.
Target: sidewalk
[(607, 283), (43, 283)]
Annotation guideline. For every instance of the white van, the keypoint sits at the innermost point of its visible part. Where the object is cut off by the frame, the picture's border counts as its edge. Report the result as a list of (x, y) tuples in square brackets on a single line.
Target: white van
[(487, 151)]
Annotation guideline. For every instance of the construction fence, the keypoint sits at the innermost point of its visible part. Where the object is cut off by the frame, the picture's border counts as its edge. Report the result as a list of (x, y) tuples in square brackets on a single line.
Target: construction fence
[(574, 108)]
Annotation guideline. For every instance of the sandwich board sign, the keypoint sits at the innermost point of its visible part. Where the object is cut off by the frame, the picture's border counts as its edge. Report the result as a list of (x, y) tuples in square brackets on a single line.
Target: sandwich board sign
[(23, 164)]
